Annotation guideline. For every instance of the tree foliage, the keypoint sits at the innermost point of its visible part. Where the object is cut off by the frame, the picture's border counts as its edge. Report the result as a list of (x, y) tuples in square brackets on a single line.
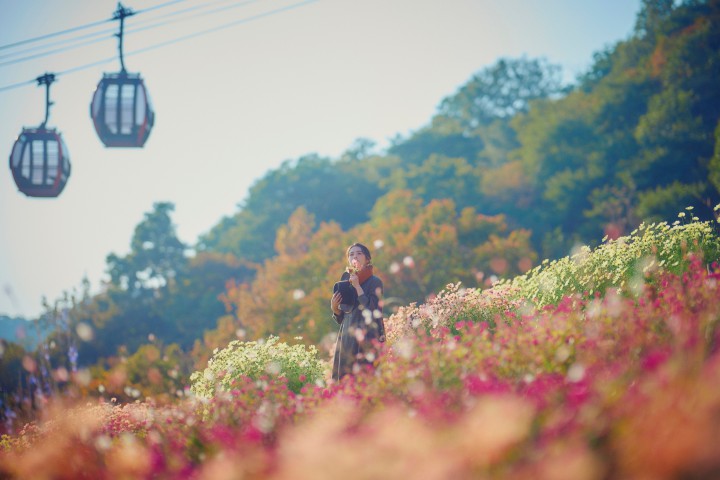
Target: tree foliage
[(156, 255), (417, 249), (502, 91), (338, 191)]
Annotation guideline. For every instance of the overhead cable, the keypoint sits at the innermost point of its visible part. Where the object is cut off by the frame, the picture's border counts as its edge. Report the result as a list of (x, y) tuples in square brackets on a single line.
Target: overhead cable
[(16, 85), (55, 34), (106, 34), (184, 10), (172, 41), (81, 27), (224, 26), (201, 14)]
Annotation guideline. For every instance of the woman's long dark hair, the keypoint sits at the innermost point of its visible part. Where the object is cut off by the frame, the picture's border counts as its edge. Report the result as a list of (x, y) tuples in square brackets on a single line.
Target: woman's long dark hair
[(364, 249)]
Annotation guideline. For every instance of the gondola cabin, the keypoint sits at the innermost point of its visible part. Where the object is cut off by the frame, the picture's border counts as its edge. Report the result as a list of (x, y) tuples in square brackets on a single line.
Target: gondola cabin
[(39, 162), (121, 110)]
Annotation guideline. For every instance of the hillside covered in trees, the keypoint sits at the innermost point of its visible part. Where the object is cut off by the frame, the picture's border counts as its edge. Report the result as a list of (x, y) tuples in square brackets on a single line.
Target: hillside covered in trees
[(513, 168)]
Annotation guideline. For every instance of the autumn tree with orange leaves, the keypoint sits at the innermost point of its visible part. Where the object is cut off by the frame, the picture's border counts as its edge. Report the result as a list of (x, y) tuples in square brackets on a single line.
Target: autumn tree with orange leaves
[(417, 249)]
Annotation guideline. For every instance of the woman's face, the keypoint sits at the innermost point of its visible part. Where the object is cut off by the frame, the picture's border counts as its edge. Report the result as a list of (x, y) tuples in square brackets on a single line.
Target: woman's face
[(356, 258)]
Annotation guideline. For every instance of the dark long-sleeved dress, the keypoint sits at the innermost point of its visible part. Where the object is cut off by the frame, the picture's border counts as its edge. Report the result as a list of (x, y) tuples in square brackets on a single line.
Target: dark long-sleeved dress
[(359, 332)]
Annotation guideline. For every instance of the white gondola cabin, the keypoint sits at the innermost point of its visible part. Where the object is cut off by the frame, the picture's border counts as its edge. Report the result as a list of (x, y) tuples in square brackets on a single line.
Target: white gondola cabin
[(121, 110), (40, 163), (39, 159)]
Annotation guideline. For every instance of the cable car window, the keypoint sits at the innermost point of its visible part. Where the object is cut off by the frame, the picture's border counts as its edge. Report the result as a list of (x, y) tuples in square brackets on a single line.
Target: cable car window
[(16, 154), (95, 107), (51, 176), (111, 100), (25, 162), (53, 151), (140, 107), (38, 155), (65, 156), (127, 98), (147, 98)]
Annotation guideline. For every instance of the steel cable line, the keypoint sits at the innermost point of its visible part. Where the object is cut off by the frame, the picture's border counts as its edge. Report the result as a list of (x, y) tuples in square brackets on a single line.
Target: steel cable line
[(104, 34), (57, 50), (184, 10), (81, 27), (224, 26), (201, 14), (162, 5), (16, 85), (107, 32), (55, 34), (170, 42)]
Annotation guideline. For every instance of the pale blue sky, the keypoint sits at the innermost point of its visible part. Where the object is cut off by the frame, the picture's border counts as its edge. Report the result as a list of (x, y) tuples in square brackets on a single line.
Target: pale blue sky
[(235, 103)]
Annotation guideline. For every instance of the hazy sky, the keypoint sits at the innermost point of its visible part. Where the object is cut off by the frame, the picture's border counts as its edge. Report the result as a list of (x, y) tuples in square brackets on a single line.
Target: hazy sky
[(232, 104)]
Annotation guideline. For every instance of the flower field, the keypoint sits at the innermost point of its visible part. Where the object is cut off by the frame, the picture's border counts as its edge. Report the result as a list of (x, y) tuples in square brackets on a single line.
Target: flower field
[(604, 364)]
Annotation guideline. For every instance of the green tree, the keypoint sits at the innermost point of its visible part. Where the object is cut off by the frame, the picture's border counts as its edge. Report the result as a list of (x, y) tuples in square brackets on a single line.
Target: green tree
[(129, 309), (421, 145), (193, 304), (156, 255), (440, 177), (677, 131), (651, 15), (339, 191), (12, 372), (501, 91), (601, 66), (714, 165), (563, 158)]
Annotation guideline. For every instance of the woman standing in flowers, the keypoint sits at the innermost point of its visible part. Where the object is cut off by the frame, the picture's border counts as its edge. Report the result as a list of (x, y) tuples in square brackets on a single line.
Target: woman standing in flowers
[(360, 319)]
